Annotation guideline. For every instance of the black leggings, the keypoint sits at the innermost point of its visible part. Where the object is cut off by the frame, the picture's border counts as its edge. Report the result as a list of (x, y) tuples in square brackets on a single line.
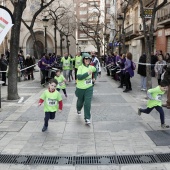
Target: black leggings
[(64, 90), (75, 71), (48, 115), (127, 80), (159, 109)]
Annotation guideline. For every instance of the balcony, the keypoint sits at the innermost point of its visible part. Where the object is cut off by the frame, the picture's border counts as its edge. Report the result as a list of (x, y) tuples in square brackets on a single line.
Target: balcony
[(163, 15), (132, 31)]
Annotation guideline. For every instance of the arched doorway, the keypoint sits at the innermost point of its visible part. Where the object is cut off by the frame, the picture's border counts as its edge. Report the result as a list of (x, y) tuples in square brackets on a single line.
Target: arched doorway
[(40, 48)]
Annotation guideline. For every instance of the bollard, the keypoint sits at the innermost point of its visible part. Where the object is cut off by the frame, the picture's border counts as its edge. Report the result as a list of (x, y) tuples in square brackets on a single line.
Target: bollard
[(1, 82)]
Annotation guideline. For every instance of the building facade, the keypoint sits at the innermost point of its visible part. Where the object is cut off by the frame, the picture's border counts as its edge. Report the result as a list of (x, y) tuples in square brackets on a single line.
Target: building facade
[(26, 41)]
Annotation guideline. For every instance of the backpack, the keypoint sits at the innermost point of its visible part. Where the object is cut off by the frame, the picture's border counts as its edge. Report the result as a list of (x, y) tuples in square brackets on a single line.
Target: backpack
[(133, 65), (39, 63)]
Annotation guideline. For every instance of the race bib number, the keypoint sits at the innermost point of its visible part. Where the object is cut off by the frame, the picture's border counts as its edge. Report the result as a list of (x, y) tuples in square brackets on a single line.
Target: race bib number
[(159, 97), (66, 64), (51, 102), (89, 81), (61, 83)]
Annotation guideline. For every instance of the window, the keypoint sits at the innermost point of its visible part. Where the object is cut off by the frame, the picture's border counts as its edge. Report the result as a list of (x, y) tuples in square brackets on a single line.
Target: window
[(94, 3), (83, 12), (84, 42), (83, 35), (108, 11), (83, 4), (83, 19)]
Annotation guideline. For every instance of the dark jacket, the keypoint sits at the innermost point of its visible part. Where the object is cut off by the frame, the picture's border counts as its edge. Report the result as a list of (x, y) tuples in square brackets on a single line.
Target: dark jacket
[(142, 68), (167, 75), (3, 64), (29, 62)]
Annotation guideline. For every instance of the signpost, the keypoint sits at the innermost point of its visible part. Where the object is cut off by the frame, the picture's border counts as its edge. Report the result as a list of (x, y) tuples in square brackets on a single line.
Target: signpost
[(148, 12)]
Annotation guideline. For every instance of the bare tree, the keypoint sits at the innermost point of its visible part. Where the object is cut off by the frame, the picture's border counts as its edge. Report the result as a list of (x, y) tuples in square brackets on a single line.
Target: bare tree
[(30, 27), (93, 27), (19, 7), (148, 35)]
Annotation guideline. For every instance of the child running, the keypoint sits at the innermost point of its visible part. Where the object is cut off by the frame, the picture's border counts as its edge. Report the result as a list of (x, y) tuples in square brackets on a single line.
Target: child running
[(52, 102), (61, 82), (155, 101)]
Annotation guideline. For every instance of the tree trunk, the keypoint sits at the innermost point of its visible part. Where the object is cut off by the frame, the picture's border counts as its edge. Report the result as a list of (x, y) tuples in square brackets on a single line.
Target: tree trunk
[(14, 47), (35, 43), (61, 45)]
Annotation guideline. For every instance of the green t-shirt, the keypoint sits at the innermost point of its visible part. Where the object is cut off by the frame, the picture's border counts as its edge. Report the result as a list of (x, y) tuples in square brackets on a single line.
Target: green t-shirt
[(66, 63), (71, 64), (61, 83), (51, 100), (84, 80), (156, 93), (78, 61)]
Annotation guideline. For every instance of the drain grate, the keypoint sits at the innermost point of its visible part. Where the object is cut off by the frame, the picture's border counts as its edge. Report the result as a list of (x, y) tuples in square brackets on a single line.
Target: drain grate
[(94, 160), (164, 157), (15, 159), (136, 159), (84, 160), (57, 160)]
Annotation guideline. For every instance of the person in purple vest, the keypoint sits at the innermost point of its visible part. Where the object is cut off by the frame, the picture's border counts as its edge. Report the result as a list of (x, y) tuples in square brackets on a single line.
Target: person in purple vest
[(128, 72)]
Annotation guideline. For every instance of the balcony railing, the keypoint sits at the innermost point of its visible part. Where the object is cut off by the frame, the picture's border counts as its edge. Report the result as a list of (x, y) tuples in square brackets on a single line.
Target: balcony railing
[(132, 29), (164, 13)]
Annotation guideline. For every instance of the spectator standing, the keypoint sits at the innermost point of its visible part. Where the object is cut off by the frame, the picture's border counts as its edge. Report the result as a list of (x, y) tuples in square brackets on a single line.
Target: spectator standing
[(142, 71), (29, 71), (3, 65), (167, 59), (121, 63), (129, 73), (159, 68)]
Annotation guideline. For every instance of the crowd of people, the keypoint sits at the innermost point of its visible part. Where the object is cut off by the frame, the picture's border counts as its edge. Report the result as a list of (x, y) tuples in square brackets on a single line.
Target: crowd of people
[(57, 72)]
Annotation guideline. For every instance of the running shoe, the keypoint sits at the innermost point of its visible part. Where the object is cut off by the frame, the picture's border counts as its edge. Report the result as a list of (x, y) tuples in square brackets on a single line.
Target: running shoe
[(79, 112), (44, 128), (139, 112), (164, 126), (87, 121)]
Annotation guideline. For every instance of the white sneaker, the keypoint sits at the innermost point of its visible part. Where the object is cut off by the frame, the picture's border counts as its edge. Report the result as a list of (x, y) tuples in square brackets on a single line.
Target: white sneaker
[(79, 112), (87, 121)]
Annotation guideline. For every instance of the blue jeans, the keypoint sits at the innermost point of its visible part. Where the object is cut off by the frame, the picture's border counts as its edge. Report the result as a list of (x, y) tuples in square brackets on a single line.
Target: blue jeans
[(159, 109), (143, 82), (48, 115)]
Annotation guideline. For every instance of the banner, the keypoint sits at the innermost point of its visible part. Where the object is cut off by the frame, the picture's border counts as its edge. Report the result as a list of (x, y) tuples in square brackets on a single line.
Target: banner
[(6, 22)]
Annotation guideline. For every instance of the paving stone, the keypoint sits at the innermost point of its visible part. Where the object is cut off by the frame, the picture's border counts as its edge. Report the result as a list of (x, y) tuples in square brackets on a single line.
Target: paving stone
[(108, 167), (131, 167), (114, 113), (153, 167)]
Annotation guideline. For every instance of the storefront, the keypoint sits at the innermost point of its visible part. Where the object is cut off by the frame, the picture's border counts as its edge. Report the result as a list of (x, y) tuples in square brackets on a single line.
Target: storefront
[(167, 34)]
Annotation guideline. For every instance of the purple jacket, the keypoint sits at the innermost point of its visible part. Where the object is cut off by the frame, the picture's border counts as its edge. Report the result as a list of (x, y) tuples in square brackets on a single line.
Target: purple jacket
[(109, 60), (43, 59), (128, 67)]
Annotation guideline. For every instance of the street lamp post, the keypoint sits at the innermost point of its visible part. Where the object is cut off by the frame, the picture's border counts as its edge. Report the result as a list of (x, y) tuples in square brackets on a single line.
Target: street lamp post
[(45, 22), (120, 22), (55, 36)]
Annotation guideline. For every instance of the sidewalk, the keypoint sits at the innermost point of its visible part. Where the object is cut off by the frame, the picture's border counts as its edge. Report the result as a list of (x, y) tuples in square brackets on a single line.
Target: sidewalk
[(116, 128)]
